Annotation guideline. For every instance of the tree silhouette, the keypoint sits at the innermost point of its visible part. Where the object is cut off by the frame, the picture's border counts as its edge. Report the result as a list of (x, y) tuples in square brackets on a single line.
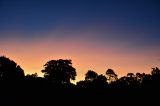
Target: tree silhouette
[(101, 81), (132, 80), (56, 84), (60, 71), (155, 71), (111, 76), (131, 75), (90, 75), (9, 70), (140, 77), (155, 78), (101, 78), (82, 84), (35, 75)]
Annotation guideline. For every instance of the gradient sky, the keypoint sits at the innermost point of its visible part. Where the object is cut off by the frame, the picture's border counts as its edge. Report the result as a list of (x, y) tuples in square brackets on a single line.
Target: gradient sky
[(96, 34)]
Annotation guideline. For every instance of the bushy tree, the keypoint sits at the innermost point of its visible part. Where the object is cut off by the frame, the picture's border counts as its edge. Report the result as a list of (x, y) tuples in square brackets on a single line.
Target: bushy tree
[(9, 70), (90, 75), (60, 71)]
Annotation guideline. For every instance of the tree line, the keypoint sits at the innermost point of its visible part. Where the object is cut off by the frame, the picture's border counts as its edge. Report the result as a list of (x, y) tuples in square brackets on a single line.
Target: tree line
[(57, 82)]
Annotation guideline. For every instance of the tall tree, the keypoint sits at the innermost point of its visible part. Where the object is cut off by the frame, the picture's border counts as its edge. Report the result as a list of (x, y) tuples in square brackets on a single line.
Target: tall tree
[(60, 71), (9, 70)]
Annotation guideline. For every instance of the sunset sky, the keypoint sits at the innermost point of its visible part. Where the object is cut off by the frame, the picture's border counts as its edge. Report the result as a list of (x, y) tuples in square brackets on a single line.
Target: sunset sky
[(95, 34)]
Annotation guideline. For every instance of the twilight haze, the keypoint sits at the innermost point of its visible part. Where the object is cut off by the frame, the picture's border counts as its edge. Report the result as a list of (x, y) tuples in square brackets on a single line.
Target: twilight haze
[(95, 34)]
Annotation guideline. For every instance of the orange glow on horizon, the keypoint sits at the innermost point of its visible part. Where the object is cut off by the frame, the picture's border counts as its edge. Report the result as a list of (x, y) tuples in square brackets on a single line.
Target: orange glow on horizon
[(85, 55)]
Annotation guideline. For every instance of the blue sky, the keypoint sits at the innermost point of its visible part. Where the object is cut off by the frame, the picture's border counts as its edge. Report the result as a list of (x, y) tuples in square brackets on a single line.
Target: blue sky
[(125, 18), (128, 25)]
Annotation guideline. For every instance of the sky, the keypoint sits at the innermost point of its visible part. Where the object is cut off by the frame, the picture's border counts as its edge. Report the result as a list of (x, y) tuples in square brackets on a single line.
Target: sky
[(123, 35)]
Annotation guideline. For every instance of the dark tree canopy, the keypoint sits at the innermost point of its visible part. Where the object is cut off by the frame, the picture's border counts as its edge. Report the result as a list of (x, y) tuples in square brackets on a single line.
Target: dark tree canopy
[(111, 75), (57, 86), (91, 75), (9, 70), (32, 75), (101, 78), (60, 71), (131, 75), (155, 71), (140, 77)]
